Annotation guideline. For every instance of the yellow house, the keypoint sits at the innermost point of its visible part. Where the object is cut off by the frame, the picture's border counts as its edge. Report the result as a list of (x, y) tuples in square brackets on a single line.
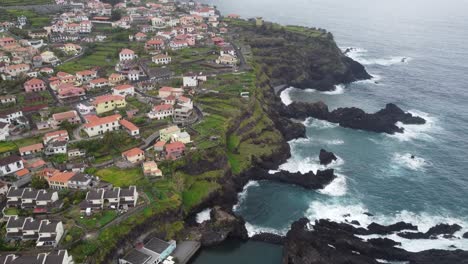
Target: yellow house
[(71, 47), (166, 133), (108, 102)]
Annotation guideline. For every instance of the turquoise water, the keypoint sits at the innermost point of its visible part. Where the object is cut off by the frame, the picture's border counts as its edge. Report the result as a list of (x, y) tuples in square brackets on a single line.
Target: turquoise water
[(376, 173)]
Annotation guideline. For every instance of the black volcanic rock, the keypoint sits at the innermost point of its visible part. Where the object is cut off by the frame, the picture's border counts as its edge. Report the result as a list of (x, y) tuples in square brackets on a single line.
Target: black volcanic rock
[(268, 238), (465, 235), (221, 226), (326, 157), (443, 229), (375, 228), (308, 180), (383, 121), (328, 242), (413, 235)]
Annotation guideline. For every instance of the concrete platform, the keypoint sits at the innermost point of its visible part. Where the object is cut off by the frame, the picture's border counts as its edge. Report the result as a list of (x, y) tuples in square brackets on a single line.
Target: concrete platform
[(185, 251)]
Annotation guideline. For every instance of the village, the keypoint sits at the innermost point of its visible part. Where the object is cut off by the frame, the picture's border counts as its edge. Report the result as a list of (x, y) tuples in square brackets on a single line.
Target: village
[(99, 104)]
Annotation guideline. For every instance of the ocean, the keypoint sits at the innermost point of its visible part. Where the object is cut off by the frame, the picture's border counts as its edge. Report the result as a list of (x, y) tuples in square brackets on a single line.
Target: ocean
[(417, 52)]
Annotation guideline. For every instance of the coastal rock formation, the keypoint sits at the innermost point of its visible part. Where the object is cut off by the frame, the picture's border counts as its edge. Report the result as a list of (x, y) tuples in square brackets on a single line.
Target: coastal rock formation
[(383, 121), (375, 228), (221, 226), (300, 57), (330, 242), (326, 157), (309, 180), (446, 230)]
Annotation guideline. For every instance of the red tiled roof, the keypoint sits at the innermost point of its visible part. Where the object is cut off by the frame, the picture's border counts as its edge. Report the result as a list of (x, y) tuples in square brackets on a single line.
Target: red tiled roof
[(61, 177), (123, 87), (162, 107), (64, 115), (174, 145), (106, 98), (127, 51), (37, 146), (94, 121), (129, 125), (34, 81), (133, 152)]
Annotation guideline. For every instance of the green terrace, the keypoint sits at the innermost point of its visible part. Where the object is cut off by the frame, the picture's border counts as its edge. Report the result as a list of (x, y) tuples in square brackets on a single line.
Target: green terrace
[(34, 20), (101, 54)]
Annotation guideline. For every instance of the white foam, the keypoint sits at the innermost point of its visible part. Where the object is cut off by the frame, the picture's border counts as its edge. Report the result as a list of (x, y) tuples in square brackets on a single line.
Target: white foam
[(337, 187), (285, 96), (254, 230), (339, 89), (374, 80), (203, 216), (338, 212), (242, 195), (307, 164), (420, 132), (359, 55), (286, 93), (417, 163), (319, 124)]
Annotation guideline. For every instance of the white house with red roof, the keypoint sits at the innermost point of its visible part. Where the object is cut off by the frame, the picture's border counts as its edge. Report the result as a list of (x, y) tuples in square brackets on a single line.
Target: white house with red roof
[(99, 125), (161, 111), (126, 55), (124, 90), (131, 128), (34, 85), (99, 83)]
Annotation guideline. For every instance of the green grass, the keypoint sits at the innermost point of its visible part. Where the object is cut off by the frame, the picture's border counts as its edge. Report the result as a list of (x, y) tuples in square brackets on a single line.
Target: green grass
[(104, 55), (34, 19), (7, 146), (197, 192), (97, 220), (120, 177), (25, 2), (11, 211)]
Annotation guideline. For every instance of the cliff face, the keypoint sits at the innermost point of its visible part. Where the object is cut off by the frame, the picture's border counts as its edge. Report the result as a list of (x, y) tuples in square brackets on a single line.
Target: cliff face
[(300, 57)]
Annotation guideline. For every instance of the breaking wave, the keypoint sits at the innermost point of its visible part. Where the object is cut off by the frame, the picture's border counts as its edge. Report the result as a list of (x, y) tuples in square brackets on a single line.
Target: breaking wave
[(409, 161), (339, 212), (243, 195), (337, 187), (254, 230), (204, 216), (420, 132)]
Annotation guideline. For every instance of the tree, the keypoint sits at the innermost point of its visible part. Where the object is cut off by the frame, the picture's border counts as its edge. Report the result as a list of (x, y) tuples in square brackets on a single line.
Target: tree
[(69, 127), (116, 15), (39, 183)]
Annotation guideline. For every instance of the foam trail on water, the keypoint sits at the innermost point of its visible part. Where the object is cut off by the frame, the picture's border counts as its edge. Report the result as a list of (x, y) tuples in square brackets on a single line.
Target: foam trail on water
[(204, 216), (339, 89), (318, 124), (242, 195), (406, 160), (420, 132), (358, 55)]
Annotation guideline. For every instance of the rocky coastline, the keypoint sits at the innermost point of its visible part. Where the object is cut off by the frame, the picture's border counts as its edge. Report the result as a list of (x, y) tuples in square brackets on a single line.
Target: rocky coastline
[(382, 121), (329, 242), (323, 241)]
